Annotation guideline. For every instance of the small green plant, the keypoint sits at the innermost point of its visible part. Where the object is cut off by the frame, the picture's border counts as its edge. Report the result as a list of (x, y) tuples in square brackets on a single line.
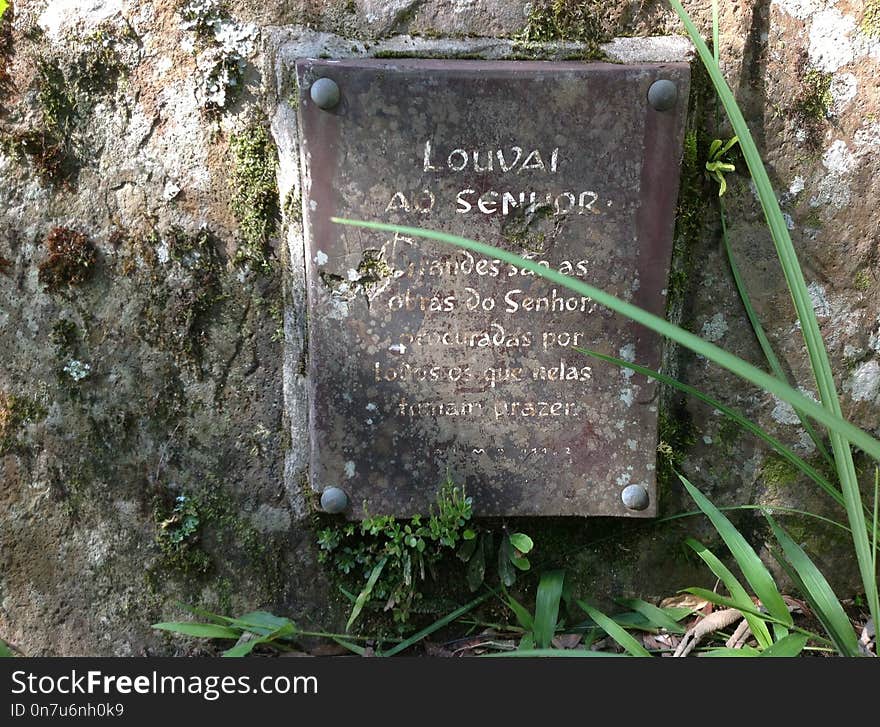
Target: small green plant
[(391, 556), (717, 165), (178, 536), (5, 651), (511, 556), (183, 522), (540, 628), (3, 5)]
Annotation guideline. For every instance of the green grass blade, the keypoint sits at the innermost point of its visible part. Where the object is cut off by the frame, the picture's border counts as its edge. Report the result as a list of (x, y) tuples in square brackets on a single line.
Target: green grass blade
[(752, 610), (876, 493), (200, 630), (739, 596), (783, 451), (5, 651), (723, 651), (364, 595), (615, 631), (762, 508), (523, 617), (816, 589), (202, 613), (789, 646), (761, 336), (439, 624), (803, 304), (527, 642), (655, 615), (708, 350), (553, 653), (242, 649), (747, 559), (354, 648), (547, 607), (246, 647)]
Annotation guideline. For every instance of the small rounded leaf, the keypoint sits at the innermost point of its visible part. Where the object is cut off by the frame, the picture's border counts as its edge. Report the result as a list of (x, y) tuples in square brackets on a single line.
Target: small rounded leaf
[(522, 542)]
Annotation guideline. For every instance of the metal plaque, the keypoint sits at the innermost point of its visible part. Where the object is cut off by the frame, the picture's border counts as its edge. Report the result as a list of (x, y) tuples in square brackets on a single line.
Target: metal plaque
[(427, 361)]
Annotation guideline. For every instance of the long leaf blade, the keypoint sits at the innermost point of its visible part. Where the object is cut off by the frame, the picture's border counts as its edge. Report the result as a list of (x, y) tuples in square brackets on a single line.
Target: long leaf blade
[(439, 624), (655, 615), (364, 595), (708, 350), (615, 631), (753, 569), (720, 600), (200, 630), (738, 594), (761, 336), (819, 593), (547, 607), (797, 286), (523, 617), (789, 646), (785, 452), (552, 653)]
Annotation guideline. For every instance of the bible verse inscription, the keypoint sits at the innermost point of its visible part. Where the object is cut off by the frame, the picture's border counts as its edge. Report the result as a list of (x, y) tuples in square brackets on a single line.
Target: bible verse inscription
[(427, 360)]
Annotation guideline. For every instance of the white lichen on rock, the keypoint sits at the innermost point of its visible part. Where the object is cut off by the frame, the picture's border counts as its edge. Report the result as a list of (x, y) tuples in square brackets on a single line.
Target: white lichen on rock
[(77, 370), (221, 47), (831, 42), (864, 384), (800, 9), (843, 89), (819, 299), (715, 328), (61, 15), (834, 185)]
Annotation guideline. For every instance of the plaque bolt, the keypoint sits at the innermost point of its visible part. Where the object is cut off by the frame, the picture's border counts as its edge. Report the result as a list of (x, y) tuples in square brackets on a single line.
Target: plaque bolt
[(333, 500), (325, 93), (635, 497), (663, 94)]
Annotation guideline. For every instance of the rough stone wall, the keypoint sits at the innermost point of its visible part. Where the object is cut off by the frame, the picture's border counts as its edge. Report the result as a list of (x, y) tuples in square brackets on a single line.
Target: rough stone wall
[(143, 438)]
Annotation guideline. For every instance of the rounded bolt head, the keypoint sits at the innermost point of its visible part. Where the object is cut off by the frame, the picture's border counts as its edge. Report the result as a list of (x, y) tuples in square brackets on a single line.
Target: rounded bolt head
[(333, 500), (663, 94), (325, 93), (635, 497)]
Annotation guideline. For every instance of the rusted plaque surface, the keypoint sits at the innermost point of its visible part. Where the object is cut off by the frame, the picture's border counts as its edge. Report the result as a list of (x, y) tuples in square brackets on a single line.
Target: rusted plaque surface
[(425, 360)]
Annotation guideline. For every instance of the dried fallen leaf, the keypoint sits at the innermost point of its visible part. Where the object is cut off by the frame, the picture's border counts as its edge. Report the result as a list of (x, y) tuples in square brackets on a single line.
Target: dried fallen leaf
[(660, 642), (684, 600)]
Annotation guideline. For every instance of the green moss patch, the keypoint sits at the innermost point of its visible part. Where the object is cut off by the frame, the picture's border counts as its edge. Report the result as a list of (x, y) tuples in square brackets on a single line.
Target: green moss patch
[(254, 191), (565, 20), (871, 18), (812, 103), (15, 413)]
